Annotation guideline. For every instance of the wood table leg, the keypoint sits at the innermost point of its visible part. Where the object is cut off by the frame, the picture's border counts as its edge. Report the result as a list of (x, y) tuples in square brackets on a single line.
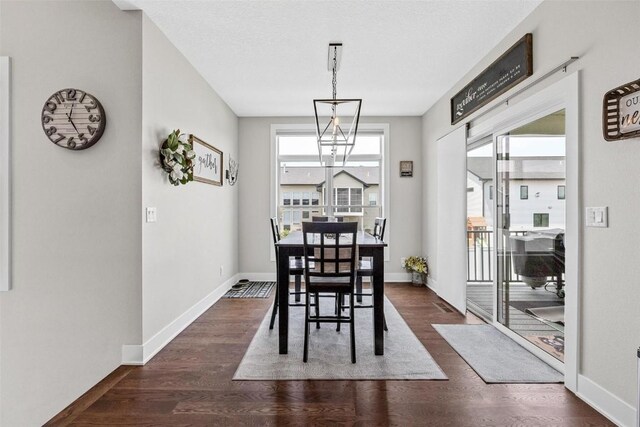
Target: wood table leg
[(283, 295), (378, 301)]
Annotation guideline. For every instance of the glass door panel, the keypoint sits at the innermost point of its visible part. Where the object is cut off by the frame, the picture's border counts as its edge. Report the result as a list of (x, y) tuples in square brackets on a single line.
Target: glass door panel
[(479, 228), (530, 226)]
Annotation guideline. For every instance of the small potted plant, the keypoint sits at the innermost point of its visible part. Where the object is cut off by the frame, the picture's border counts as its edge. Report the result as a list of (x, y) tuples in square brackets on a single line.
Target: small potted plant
[(419, 269), (176, 158)]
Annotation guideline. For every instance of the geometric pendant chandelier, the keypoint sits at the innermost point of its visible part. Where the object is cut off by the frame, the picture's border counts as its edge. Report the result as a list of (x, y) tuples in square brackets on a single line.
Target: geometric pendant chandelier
[(336, 119)]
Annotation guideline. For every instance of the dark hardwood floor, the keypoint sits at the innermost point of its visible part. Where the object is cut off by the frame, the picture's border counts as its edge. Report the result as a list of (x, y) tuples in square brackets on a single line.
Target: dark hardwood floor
[(189, 383)]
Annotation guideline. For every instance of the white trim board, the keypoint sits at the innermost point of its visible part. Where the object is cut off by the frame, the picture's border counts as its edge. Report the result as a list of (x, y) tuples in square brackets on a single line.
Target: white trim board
[(608, 404), (141, 354), (5, 173), (451, 217)]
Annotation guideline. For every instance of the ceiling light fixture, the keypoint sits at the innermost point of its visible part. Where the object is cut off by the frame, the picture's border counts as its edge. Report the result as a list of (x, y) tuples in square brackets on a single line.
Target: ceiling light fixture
[(338, 112)]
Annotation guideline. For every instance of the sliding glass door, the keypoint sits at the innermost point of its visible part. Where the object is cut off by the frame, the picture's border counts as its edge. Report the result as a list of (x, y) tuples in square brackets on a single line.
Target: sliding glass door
[(530, 227), (480, 241)]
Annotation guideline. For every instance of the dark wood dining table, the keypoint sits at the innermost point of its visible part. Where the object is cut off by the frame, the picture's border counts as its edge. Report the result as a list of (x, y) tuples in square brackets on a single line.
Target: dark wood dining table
[(368, 246)]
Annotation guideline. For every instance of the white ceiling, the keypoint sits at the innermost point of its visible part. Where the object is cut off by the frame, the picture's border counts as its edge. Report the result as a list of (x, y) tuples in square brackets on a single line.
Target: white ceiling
[(269, 58)]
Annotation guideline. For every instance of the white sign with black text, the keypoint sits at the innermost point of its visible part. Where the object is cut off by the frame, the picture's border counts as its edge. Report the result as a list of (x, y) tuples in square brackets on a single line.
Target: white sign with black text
[(208, 164), (630, 113)]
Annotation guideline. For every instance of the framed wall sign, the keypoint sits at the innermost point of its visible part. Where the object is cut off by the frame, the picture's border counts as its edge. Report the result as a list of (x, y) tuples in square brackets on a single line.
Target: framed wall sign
[(208, 163), (511, 68), (621, 112), (406, 168)]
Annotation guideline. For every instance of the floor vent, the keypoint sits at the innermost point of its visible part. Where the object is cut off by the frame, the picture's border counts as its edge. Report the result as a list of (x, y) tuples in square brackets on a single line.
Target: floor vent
[(443, 307)]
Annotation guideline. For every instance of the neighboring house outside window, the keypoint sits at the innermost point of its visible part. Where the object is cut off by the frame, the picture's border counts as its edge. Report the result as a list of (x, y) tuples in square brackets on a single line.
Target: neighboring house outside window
[(561, 192), (540, 219), (303, 183), (286, 220), (524, 192), (348, 197)]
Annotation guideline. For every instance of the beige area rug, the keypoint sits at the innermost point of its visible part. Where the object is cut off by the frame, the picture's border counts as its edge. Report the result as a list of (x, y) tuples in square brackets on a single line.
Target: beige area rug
[(405, 358), (496, 357)]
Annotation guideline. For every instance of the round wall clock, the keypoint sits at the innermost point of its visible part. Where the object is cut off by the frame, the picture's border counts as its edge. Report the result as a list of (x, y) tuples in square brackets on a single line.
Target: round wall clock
[(73, 119)]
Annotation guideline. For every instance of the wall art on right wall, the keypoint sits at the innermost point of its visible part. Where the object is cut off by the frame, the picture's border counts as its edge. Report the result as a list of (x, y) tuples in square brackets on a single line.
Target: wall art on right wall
[(621, 112)]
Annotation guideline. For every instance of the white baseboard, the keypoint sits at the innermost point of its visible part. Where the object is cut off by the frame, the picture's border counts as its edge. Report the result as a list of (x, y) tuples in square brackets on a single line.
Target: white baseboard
[(608, 404), (141, 354), (258, 277), (432, 284), (397, 277)]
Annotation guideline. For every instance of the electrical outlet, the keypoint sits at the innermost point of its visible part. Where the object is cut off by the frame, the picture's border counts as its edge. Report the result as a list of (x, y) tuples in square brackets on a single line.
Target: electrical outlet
[(221, 270), (403, 260)]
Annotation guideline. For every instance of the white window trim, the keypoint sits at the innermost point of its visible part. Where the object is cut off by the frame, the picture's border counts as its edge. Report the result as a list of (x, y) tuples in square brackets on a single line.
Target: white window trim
[(5, 174), (385, 181)]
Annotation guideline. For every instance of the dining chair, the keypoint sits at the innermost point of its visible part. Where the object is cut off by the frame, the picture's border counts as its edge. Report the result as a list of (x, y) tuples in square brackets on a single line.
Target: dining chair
[(296, 268), (329, 261), (365, 267)]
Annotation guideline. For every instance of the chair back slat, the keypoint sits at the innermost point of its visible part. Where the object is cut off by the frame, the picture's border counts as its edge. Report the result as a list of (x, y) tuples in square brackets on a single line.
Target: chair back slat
[(379, 227), (329, 249), (275, 232)]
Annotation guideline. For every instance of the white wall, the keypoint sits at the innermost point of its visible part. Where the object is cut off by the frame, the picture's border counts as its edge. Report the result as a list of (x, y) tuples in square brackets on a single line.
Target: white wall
[(255, 173), (610, 269), (76, 215), (197, 228)]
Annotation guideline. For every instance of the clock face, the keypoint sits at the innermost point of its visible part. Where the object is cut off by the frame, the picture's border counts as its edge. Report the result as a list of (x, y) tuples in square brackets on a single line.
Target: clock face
[(73, 119)]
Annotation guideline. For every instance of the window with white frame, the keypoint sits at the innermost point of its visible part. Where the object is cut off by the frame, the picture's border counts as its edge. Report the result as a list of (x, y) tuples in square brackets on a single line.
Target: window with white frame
[(302, 183), (347, 199), (561, 192)]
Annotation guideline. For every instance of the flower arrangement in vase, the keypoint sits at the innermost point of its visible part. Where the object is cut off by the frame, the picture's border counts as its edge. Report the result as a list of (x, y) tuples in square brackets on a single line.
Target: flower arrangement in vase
[(176, 157), (419, 269)]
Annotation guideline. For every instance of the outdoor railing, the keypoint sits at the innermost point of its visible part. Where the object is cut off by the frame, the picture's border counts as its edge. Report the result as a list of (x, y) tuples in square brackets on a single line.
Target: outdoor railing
[(480, 245), (292, 217)]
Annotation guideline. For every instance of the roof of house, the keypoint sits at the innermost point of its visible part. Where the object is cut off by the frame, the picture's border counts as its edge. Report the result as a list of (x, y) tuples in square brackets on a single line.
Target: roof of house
[(522, 167), (315, 175)]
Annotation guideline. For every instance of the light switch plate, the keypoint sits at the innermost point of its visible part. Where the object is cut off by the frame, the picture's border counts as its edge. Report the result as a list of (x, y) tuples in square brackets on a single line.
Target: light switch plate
[(597, 217), (151, 215)]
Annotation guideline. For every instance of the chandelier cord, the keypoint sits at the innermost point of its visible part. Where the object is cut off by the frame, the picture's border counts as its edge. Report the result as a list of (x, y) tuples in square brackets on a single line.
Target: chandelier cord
[(334, 81)]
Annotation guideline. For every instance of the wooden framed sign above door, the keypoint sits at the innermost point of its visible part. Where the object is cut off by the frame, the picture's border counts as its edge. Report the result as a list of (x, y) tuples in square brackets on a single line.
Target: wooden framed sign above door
[(514, 66)]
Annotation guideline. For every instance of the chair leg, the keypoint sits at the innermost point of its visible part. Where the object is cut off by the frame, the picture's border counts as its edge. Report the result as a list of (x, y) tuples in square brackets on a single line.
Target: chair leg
[(298, 287), (384, 320), (306, 327), (339, 311), (275, 309), (352, 325), (359, 288), (317, 299)]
